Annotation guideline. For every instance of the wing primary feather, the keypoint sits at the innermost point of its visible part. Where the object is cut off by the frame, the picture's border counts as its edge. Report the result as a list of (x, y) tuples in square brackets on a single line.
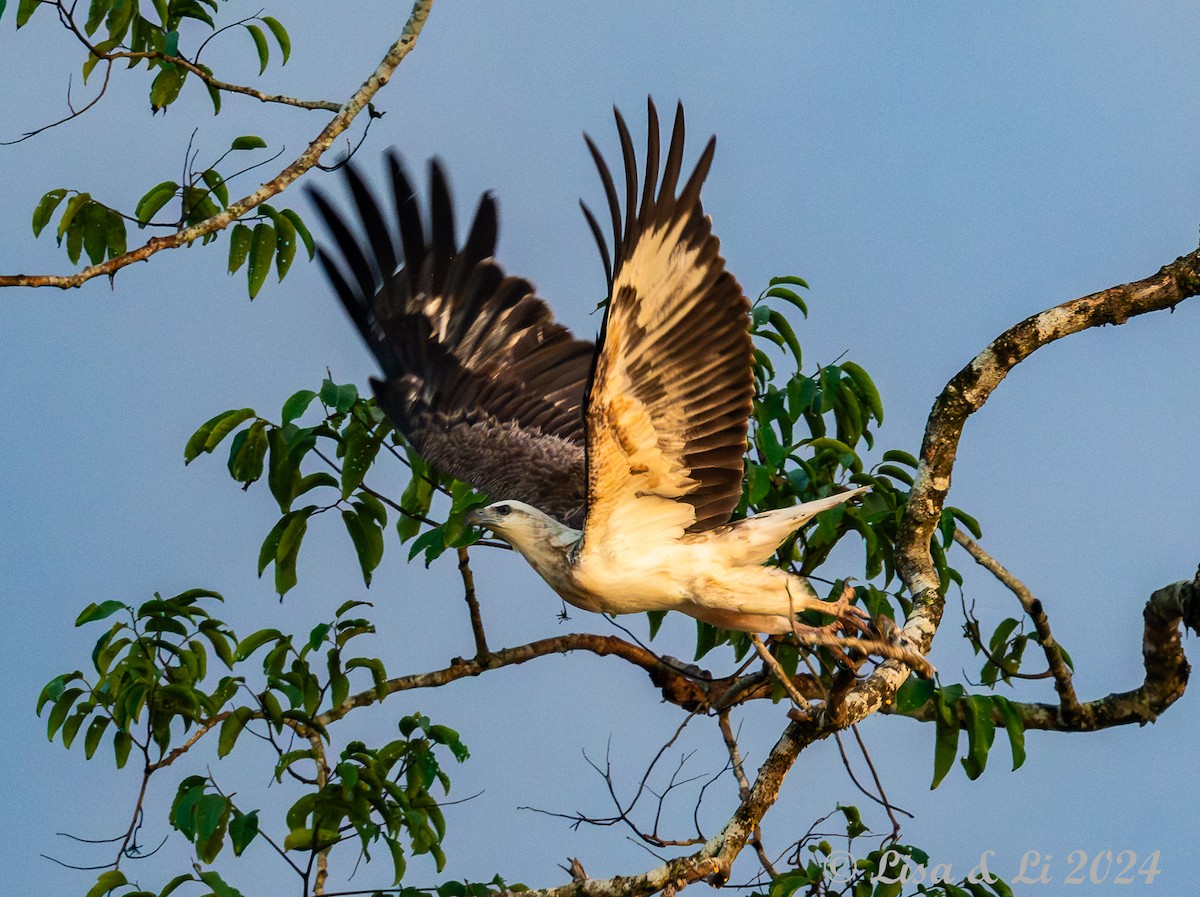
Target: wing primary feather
[(690, 195), (601, 243), (630, 159), (354, 302), (652, 158), (610, 194), (441, 215), (674, 157), (408, 214), (351, 251), (378, 233)]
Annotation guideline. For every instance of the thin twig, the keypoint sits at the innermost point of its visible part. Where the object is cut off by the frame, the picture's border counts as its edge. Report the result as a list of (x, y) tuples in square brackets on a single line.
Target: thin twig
[(468, 580), (1041, 622)]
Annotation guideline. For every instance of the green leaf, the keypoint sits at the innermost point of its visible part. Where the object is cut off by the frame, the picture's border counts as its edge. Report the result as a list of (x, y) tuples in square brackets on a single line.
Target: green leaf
[(58, 713), (1014, 727), (208, 811), (900, 457), (968, 521), (302, 231), (231, 728), (222, 426), (74, 205), (248, 142), (784, 329), (361, 447), (242, 830), (289, 548), (946, 739), (338, 397), (218, 885), (758, 479), (866, 388), (94, 612), (281, 36), (122, 743), (45, 209), (153, 200), (981, 730), (768, 443), (285, 244), (256, 640), (25, 9), (175, 883), (367, 536), (399, 864), (260, 44), (95, 732), (913, 694), (261, 250), (120, 17), (297, 404), (108, 881), (115, 235), (216, 185), (165, 88), (240, 241), (246, 458)]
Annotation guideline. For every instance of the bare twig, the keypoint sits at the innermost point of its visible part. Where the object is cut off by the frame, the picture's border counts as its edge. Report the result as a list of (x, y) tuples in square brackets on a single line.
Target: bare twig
[(468, 580)]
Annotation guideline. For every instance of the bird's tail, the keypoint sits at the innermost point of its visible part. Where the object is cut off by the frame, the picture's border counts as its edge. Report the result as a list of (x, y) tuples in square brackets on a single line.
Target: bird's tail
[(754, 540)]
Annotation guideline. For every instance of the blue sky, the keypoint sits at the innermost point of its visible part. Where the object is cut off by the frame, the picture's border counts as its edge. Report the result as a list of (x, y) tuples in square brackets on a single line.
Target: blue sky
[(937, 172)]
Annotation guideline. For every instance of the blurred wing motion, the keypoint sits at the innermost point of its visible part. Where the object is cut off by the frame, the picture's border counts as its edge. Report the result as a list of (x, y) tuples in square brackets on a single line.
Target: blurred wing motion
[(477, 374)]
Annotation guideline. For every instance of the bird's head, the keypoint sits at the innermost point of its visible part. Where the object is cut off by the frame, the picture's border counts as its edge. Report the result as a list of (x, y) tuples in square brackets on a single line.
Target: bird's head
[(522, 526)]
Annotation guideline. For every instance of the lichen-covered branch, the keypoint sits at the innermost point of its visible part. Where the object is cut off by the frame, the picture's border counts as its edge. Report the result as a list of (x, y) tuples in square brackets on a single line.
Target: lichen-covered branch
[(306, 160)]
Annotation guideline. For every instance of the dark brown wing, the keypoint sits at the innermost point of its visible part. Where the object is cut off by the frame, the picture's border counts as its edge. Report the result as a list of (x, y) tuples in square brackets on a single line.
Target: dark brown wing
[(477, 374), (670, 397)]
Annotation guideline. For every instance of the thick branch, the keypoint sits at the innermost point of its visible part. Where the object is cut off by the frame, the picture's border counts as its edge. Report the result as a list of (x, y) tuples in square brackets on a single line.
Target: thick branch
[(310, 157)]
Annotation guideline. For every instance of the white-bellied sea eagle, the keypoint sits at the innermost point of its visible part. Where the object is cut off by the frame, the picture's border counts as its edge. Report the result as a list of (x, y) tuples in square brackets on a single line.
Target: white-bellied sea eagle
[(617, 466)]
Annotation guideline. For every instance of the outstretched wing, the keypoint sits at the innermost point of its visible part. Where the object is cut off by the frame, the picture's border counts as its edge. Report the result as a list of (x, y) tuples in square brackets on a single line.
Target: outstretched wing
[(670, 397), (477, 374)]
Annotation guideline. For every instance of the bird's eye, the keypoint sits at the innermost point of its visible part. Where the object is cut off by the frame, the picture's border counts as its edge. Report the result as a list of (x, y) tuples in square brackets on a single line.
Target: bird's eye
[(503, 510)]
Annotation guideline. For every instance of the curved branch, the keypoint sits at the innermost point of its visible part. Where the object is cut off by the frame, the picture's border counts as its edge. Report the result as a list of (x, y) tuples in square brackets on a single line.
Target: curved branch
[(680, 684), (965, 394), (309, 158), (1163, 660)]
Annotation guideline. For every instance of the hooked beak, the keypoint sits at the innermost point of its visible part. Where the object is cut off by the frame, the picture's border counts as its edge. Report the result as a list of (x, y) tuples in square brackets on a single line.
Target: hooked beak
[(476, 517)]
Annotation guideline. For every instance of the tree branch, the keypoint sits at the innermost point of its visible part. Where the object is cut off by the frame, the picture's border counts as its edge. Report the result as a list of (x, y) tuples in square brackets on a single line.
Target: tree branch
[(1063, 684), (309, 158), (965, 394)]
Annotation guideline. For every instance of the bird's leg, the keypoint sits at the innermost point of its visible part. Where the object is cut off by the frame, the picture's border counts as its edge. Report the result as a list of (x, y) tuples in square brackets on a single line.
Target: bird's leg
[(847, 617)]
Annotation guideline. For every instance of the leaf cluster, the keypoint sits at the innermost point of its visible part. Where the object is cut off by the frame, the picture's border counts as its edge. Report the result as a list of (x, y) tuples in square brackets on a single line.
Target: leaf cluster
[(345, 442)]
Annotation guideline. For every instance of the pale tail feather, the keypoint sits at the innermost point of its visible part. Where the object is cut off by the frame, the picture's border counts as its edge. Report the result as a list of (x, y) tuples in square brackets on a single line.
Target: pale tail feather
[(754, 540)]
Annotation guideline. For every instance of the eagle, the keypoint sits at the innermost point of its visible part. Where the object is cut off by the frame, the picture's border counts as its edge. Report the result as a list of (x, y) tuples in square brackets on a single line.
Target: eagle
[(618, 464)]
